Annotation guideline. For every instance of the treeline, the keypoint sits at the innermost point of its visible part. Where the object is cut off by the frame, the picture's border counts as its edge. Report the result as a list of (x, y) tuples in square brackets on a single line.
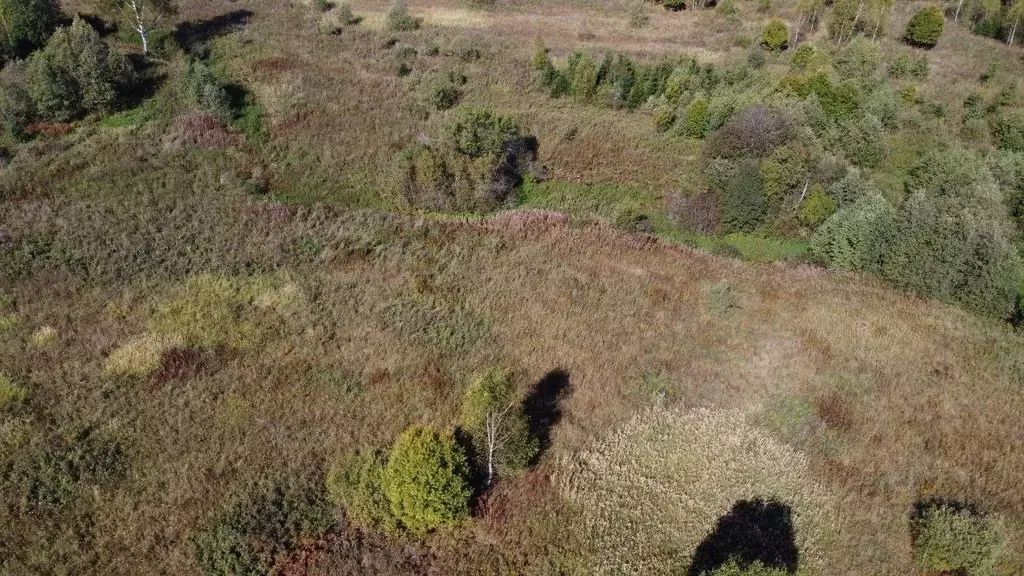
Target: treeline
[(801, 155)]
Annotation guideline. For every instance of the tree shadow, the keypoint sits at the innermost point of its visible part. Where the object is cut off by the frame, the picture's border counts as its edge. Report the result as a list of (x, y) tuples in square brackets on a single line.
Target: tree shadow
[(188, 34), (753, 531), (543, 406), (147, 81)]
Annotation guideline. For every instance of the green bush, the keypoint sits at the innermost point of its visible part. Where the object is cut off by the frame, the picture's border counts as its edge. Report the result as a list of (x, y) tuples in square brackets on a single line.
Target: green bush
[(696, 118), (742, 206), (398, 18), (16, 106), (25, 25), (854, 238), (76, 73), (816, 207), (775, 36), (851, 188), (425, 480), (953, 541), (782, 172), (440, 92), (955, 174), (259, 525), (357, 484), (540, 60), (478, 132), (205, 91), (582, 73), (664, 116), (802, 57), (859, 59), (674, 5), (959, 256), (864, 143), (1009, 131), (925, 27)]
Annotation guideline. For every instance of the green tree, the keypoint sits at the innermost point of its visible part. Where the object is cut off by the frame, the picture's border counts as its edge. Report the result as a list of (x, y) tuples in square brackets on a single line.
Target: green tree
[(142, 16), (425, 480), (816, 207), (925, 27), (398, 18), (696, 118), (25, 25), (1009, 130), (775, 36), (16, 106), (75, 73), (864, 143), (492, 413)]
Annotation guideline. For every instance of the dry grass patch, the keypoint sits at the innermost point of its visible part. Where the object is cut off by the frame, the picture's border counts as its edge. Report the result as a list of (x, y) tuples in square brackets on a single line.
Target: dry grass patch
[(652, 491)]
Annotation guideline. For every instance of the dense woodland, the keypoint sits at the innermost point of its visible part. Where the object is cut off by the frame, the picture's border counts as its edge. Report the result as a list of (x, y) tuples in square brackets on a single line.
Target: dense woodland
[(567, 287)]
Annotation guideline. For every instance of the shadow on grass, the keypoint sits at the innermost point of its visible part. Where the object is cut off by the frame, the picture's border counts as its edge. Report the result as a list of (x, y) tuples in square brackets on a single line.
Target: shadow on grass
[(148, 80), (753, 531), (543, 406), (188, 34)]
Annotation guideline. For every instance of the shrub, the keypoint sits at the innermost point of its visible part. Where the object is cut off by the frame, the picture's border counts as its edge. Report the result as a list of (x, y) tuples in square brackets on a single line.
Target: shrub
[(756, 58), (321, 5), (955, 174), (1009, 131), (260, 525), (25, 26), (345, 16), (478, 132), (674, 5), (955, 541), (864, 143), (802, 57), (816, 207), (742, 205), (854, 238), (925, 27), (955, 255), (851, 188), (859, 59), (440, 92), (398, 18), (775, 36), (582, 74), (357, 484), (425, 480), (10, 393), (782, 172), (76, 73), (755, 131), (540, 60), (664, 117), (16, 106), (696, 118)]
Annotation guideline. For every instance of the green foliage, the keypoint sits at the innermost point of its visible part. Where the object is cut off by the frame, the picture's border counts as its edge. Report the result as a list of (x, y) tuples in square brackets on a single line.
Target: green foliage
[(802, 57), (492, 414), (782, 172), (204, 90), (440, 92), (357, 484), (925, 27), (398, 18), (854, 238), (425, 480), (540, 60), (674, 5), (775, 36), (321, 5), (664, 117), (696, 118), (478, 132), (957, 256), (10, 393), (742, 205), (260, 524), (733, 568), (859, 59), (54, 478), (76, 73), (16, 106), (816, 207), (954, 541), (582, 74), (864, 143), (25, 25), (1009, 130)]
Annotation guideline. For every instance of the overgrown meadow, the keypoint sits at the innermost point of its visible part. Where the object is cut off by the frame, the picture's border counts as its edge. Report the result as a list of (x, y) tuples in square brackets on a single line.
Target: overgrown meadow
[(548, 288)]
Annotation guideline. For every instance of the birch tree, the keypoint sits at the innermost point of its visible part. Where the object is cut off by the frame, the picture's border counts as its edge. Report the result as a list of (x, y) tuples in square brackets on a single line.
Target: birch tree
[(809, 12), (492, 413), (143, 15), (1014, 14)]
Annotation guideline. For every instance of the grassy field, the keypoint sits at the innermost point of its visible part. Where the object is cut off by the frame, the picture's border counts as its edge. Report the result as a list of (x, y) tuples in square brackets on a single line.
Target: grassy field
[(190, 315)]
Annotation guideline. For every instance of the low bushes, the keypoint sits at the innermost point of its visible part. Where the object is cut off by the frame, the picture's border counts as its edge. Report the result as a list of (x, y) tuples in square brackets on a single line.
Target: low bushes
[(775, 36), (357, 484), (474, 165), (953, 540)]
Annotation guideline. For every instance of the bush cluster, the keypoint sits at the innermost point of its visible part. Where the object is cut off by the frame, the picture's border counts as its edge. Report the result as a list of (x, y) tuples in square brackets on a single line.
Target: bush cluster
[(952, 540), (474, 165), (25, 26)]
